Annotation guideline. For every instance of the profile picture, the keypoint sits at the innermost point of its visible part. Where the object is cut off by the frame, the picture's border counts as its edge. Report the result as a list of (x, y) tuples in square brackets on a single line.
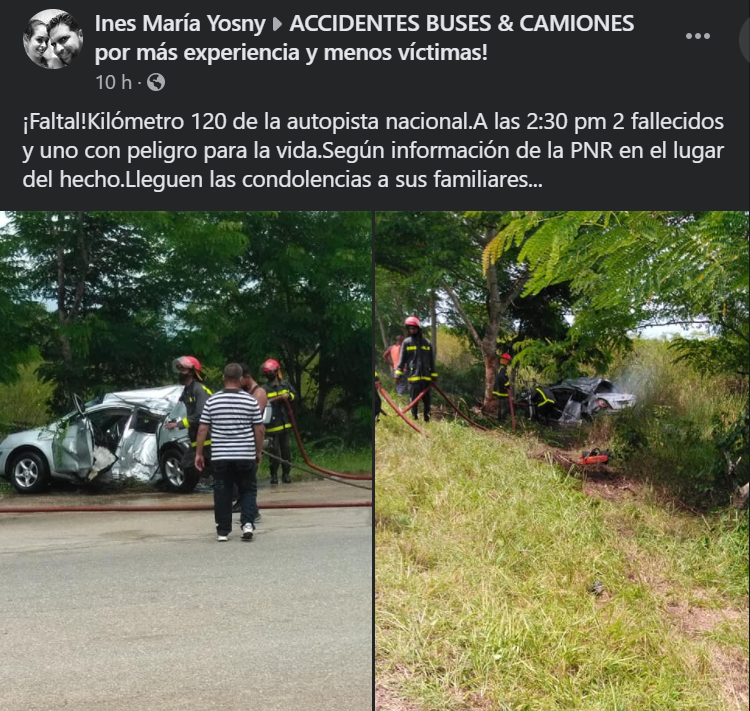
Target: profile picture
[(52, 39)]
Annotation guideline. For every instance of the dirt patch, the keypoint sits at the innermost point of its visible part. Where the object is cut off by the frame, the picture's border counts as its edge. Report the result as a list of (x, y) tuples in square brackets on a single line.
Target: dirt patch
[(610, 486), (732, 671), (730, 665), (599, 480), (386, 700), (700, 620)]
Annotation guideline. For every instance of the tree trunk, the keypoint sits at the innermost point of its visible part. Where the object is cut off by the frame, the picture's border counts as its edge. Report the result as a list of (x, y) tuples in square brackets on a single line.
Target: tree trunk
[(491, 332), (433, 319), (65, 349), (383, 330), (67, 316), (496, 307)]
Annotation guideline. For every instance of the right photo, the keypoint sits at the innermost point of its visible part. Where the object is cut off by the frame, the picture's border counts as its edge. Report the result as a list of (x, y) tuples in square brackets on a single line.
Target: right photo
[(561, 438)]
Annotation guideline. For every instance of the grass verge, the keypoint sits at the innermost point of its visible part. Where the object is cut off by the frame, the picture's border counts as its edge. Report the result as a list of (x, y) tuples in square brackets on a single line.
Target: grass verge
[(484, 560)]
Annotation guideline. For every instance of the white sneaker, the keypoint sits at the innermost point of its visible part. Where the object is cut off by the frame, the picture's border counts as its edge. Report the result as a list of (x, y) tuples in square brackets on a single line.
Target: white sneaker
[(221, 539), (247, 531)]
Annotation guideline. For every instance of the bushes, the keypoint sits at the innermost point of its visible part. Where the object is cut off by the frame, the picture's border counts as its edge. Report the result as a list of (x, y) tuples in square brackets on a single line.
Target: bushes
[(24, 404), (682, 424)]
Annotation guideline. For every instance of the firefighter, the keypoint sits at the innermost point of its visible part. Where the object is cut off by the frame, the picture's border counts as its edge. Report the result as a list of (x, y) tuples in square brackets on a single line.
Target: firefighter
[(501, 388), (543, 400), (278, 430), (417, 364), (194, 396)]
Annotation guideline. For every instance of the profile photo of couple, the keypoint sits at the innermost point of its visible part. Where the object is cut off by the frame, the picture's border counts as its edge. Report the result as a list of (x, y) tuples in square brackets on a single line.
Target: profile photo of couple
[(52, 39)]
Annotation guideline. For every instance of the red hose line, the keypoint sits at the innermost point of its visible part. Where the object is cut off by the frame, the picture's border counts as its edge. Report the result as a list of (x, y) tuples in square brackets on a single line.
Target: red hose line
[(185, 507), (398, 412), (447, 399), (362, 477), (417, 399)]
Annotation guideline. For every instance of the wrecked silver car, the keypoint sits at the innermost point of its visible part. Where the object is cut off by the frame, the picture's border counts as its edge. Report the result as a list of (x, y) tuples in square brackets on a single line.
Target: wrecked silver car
[(583, 398), (576, 400), (113, 437)]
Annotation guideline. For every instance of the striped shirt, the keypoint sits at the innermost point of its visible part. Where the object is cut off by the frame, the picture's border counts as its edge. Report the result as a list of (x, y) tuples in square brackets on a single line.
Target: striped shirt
[(231, 414)]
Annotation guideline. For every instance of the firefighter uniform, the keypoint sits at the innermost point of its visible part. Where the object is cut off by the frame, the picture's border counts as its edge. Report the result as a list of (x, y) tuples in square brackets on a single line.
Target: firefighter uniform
[(544, 403), (279, 429), (417, 365), (194, 396), (501, 390)]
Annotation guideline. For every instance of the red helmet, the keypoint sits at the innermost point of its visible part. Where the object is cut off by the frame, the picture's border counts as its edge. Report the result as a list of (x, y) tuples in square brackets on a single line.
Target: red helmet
[(270, 365), (412, 321), (506, 356), (186, 362)]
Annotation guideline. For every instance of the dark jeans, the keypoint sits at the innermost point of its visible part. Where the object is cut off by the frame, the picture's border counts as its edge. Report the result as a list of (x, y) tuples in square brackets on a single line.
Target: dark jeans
[(503, 408), (227, 473), (279, 446), (414, 389)]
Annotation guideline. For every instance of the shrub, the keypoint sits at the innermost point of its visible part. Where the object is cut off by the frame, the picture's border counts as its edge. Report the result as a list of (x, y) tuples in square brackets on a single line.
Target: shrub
[(24, 403), (682, 424)]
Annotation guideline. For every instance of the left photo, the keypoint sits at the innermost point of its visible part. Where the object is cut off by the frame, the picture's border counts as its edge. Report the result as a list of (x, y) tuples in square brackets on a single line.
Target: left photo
[(186, 459)]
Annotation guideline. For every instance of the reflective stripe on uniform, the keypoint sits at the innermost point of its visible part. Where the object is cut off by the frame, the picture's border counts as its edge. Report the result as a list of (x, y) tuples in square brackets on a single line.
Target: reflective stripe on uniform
[(411, 348), (279, 428), (426, 348), (195, 444), (419, 377), (282, 392), (495, 392), (399, 373), (185, 422), (545, 398)]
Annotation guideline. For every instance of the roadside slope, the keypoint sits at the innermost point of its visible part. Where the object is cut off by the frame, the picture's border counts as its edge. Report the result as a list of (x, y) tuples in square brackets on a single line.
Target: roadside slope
[(484, 560)]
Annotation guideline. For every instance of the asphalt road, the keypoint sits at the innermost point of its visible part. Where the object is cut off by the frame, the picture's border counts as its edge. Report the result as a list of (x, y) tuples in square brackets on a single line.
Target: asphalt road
[(126, 611)]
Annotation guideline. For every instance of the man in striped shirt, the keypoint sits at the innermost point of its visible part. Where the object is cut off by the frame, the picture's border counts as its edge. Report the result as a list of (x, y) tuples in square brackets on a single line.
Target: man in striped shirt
[(236, 425)]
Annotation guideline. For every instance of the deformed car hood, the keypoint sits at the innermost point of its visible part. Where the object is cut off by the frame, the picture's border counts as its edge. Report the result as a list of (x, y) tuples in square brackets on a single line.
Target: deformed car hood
[(27, 436)]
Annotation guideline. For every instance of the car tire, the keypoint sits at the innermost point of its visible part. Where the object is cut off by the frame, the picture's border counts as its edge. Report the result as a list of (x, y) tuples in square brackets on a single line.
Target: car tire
[(175, 479), (29, 472)]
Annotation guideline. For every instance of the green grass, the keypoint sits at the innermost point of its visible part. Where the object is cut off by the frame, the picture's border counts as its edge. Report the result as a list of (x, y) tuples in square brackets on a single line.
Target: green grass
[(329, 454), (340, 459), (483, 562)]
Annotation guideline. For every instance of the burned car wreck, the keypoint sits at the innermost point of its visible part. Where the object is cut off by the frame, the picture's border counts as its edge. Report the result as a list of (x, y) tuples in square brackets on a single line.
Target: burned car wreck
[(113, 437), (574, 400)]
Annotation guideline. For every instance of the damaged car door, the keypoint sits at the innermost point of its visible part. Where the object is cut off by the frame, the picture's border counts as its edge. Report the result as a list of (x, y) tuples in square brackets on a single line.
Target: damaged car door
[(137, 452), (73, 444)]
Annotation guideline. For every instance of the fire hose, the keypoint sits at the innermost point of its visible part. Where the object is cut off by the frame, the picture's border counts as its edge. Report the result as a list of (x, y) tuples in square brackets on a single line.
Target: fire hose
[(181, 507), (327, 477), (361, 477), (389, 400), (448, 400), (400, 412)]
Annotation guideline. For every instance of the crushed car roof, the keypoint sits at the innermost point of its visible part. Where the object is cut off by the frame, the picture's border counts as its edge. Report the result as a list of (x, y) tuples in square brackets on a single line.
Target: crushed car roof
[(587, 385), (163, 398)]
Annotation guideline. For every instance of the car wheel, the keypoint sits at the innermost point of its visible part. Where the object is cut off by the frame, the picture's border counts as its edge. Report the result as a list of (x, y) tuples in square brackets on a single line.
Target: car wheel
[(29, 472), (175, 478)]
